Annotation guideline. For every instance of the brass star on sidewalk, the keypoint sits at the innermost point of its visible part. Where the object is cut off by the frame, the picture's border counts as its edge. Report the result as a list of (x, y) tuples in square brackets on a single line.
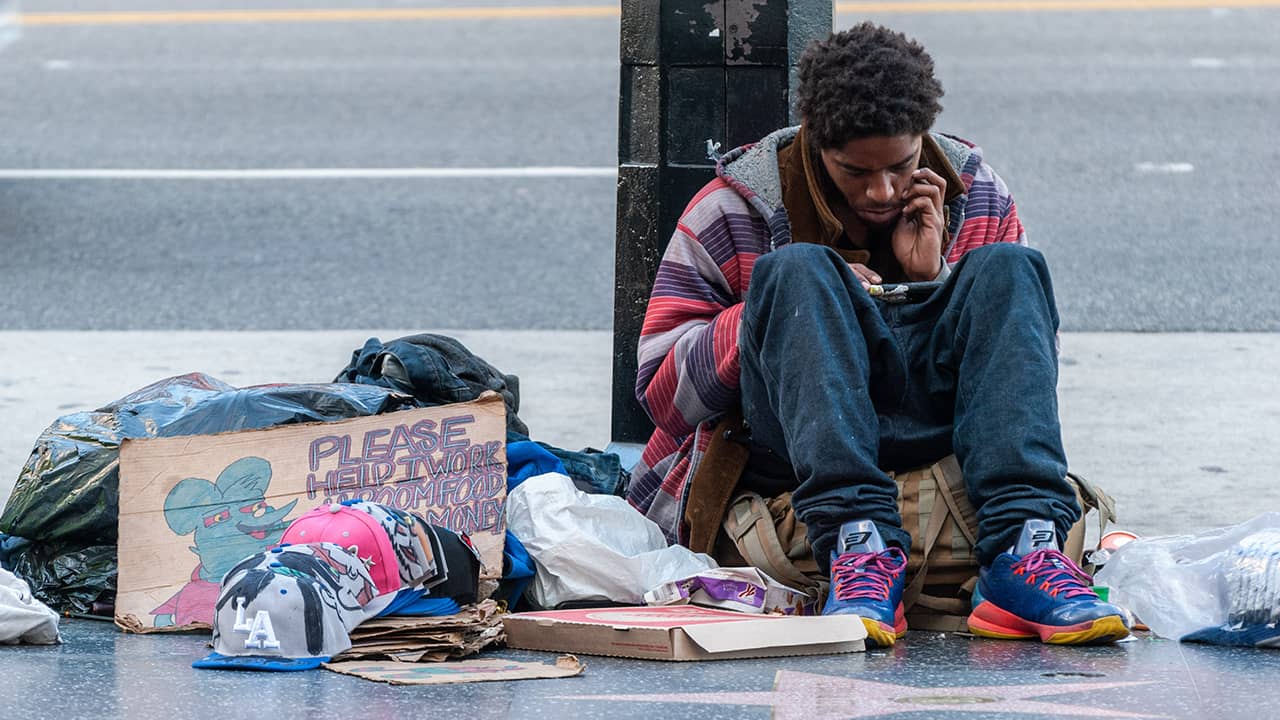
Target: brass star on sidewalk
[(805, 696)]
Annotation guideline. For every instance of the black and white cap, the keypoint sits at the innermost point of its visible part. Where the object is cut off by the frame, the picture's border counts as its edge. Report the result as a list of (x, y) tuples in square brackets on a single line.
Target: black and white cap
[(290, 608)]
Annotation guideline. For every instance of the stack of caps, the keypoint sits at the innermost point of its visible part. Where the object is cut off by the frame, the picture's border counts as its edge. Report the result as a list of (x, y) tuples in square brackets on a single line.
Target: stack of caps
[(402, 551), (290, 608), (293, 607)]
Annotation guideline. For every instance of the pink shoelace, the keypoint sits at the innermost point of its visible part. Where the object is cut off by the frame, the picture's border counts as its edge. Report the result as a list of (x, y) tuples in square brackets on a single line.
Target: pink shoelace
[(867, 575), (1056, 572)]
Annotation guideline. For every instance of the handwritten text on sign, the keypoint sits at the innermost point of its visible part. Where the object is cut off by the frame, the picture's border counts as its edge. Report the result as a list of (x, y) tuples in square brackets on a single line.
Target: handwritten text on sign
[(429, 468)]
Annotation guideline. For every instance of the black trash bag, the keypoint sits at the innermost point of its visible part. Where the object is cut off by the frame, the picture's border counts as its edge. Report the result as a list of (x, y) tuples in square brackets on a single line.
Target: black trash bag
[(67, 494), (68, 578), (435, 370)]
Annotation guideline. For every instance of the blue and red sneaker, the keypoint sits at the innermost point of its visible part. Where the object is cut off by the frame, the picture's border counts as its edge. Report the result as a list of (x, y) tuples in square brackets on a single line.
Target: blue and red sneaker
[(867, 580), (1037, 592)]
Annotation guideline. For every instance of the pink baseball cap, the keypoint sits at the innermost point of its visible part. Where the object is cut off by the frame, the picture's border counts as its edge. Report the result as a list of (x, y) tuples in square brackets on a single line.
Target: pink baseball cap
[(355, 531)]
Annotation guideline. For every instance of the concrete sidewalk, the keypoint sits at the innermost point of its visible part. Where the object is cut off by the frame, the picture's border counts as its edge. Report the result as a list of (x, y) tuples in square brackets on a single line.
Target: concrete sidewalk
[(1179, 428)]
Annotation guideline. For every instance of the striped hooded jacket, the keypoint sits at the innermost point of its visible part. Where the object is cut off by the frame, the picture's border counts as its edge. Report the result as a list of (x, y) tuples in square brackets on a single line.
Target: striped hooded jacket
[(688, 349)]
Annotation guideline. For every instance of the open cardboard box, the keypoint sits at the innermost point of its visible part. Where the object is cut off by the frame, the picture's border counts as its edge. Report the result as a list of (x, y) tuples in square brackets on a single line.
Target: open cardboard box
[(682, 632)]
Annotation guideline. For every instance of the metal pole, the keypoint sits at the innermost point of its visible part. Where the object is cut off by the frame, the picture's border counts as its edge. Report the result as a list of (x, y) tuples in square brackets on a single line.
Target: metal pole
[(692, 71)]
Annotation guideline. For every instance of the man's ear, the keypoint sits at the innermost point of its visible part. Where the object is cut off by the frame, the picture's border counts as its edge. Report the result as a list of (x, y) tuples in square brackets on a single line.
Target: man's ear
[(245, 479), (186, 504)]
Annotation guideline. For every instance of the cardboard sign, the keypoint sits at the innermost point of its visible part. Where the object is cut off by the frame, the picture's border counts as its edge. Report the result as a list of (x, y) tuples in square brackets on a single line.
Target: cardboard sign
[(191, 507), (682, 632)]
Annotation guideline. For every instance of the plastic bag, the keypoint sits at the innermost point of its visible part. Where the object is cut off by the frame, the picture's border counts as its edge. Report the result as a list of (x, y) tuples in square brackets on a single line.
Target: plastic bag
[(1220, 586), (71, 579), (23, 619), (66, 499), (589, 547), (68, 491)]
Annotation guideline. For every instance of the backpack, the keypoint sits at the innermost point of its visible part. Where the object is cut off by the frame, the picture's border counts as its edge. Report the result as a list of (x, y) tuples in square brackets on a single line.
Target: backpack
[(942, 570)]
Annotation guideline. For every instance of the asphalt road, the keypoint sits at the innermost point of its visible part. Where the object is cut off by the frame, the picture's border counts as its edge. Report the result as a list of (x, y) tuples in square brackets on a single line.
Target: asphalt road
[(1139, 145)]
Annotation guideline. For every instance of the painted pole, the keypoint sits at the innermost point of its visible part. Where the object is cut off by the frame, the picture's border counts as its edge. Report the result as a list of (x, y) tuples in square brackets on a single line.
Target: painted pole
[(693, 71)]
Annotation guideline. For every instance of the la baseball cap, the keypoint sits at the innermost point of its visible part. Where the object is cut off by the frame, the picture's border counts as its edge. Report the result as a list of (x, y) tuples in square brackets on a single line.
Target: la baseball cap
[(290, 608)]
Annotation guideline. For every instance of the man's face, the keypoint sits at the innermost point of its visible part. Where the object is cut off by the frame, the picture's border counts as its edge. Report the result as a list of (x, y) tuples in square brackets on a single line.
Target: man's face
[(872, 173)]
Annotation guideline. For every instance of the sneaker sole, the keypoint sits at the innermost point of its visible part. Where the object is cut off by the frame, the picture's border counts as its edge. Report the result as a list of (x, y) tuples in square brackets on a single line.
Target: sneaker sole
[(988, 620), (881, 635)]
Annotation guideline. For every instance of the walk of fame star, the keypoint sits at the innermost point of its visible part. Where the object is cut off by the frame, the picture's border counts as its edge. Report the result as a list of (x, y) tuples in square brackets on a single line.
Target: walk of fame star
[(805, 696)]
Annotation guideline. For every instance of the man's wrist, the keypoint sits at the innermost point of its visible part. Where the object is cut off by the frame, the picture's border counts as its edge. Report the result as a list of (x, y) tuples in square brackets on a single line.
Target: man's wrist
[(934, 274)]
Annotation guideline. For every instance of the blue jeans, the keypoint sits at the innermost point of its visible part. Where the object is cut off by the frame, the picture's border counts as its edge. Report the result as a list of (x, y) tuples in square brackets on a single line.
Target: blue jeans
[(842, 388)]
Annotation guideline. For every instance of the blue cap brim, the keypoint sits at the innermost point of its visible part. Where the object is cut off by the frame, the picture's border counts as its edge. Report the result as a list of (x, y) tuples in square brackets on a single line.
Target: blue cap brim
[(261, 663)]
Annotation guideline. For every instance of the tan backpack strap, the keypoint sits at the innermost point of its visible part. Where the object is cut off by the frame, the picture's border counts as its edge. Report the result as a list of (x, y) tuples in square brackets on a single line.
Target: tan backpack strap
[(749, 525), (1094, 497), (713, 483), (941, 614), (912, 593), (957, 499)]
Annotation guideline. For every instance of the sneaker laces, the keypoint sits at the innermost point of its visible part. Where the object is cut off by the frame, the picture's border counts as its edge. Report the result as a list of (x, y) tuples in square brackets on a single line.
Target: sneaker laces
[(1056, 573), (867, 575)]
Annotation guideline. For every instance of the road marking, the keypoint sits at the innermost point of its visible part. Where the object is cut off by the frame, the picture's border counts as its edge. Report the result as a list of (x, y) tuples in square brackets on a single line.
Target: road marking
[(551, 171), (195, 17), (1208, 62), (1165, 167), (181, 17)]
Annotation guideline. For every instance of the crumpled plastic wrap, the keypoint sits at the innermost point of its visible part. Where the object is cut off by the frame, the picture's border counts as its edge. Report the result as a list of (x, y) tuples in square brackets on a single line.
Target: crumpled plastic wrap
[(1221, 586), (66, 499), (589, 547), (70, 578), (68, 491)]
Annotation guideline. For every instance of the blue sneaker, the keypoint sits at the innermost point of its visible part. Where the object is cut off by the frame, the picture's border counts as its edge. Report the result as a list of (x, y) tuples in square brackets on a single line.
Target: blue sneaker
[(1037, 592), (866, 580)]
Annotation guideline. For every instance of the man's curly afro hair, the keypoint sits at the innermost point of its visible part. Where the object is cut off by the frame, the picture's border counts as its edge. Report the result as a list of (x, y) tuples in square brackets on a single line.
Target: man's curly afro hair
[(866, 81)]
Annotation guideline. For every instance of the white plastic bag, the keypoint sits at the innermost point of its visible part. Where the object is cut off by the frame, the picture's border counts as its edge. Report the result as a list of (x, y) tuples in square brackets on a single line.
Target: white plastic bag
[(23, 619), (592, 547), (1220, 586)]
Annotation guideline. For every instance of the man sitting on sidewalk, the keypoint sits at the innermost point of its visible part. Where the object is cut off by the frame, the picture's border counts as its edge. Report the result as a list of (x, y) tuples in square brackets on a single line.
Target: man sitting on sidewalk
[(763, 300)]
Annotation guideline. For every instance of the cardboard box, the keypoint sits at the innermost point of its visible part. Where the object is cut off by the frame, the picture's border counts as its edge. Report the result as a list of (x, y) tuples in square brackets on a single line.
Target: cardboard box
[(742, 589), (193, 506), (683, 632)]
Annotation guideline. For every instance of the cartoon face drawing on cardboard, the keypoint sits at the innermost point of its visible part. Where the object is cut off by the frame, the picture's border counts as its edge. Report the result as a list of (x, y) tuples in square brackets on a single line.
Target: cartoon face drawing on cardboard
[(230, 519)]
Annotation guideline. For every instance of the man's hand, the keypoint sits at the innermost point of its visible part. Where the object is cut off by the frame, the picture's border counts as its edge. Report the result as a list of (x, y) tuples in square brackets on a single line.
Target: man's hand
[(917, 239), (865, 274)]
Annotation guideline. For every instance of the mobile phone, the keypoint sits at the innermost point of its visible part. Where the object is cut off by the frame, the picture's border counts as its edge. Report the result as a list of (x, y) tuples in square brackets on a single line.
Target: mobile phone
[(904, 292)]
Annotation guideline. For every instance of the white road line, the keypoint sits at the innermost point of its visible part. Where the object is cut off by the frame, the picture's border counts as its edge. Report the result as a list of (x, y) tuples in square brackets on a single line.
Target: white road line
[(310, 173), (1164, 167)]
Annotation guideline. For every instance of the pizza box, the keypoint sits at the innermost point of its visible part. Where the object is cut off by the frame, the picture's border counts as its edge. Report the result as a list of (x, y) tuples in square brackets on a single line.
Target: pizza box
[(682, 632)]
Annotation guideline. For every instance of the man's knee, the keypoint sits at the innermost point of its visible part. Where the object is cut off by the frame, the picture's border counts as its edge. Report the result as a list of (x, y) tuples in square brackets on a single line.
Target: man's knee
[(795, 261), (1007, 256)]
